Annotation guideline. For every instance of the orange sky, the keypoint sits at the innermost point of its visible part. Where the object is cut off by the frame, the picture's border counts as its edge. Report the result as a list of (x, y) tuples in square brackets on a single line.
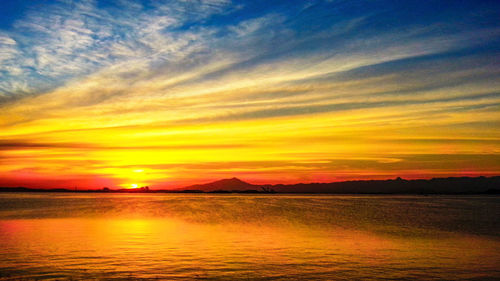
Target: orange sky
[(168, 108)]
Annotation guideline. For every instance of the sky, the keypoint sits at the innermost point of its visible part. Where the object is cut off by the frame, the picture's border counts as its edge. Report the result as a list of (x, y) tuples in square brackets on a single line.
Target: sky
[(172, 93)]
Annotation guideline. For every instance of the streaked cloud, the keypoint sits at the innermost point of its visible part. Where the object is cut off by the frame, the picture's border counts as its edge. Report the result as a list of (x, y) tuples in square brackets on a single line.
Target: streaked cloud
[(188, 86)]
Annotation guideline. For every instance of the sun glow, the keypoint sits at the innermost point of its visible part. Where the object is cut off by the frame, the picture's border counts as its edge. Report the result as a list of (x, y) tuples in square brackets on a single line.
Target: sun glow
[(169, 107)]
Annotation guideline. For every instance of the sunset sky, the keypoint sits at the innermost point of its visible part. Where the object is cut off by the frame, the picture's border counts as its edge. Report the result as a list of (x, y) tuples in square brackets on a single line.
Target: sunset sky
[(172, 93)]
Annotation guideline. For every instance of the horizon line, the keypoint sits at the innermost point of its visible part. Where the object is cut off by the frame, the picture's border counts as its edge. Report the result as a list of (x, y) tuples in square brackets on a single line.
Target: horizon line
[(76, 188)]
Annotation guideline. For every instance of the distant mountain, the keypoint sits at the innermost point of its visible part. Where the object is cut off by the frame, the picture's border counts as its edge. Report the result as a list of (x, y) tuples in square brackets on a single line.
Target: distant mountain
[(452, 185), (231, 184)]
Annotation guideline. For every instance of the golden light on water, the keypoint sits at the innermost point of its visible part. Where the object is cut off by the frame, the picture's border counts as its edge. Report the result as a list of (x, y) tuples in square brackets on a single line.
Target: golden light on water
[(121, 107), (166, 247), (193, 236)]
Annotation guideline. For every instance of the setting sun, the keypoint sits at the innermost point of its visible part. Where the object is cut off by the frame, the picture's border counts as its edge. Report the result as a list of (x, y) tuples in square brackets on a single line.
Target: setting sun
[(345, 100), (249, 139)]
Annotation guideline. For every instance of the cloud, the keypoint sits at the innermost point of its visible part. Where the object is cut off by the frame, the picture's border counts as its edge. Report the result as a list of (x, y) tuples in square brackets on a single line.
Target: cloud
[(180, 81), (12, 145), (65, 41)]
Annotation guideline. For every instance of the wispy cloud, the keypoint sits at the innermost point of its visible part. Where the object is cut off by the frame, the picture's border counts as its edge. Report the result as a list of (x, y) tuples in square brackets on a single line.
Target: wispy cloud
[(190, 79)]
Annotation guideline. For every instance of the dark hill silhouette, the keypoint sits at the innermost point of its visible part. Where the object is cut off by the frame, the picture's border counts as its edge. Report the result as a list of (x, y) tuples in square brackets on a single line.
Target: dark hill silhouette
[(232, 184), (452, 185)]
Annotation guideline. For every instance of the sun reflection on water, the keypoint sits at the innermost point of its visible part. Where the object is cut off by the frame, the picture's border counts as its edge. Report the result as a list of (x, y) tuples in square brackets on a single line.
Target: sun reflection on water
[(209, 237)]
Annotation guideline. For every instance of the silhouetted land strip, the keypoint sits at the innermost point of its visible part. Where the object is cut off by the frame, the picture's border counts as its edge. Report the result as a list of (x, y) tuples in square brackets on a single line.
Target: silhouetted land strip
[(451, 185)]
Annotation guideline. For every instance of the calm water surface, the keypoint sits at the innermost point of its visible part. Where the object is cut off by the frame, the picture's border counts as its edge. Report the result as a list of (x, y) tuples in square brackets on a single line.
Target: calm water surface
[(271, 237)]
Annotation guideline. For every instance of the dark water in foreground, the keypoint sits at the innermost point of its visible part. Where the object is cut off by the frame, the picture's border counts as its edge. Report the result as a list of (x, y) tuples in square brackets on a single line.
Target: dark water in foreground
[(193, 236)]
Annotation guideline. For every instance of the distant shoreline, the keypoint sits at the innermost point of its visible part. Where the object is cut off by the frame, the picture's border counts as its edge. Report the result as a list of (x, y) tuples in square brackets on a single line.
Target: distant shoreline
[(495, 192), (451, 185)]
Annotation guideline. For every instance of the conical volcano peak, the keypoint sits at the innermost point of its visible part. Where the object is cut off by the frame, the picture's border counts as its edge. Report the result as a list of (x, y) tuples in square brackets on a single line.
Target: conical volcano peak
[(233, 179), (224, 184)]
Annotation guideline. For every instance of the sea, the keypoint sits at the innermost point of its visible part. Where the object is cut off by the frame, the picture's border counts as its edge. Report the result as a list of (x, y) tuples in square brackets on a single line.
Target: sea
[(109, 236)]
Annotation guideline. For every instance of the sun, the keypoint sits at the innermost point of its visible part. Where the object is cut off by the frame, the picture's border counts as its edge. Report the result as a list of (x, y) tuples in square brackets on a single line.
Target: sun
[(134, 185)]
